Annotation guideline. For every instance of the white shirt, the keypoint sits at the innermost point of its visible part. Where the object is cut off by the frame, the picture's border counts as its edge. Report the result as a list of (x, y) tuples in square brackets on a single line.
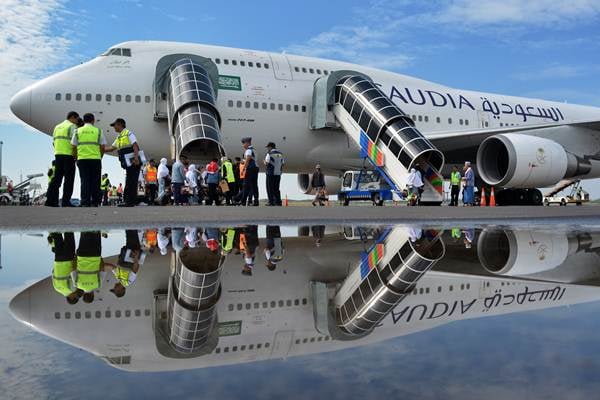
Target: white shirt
[(191, 178), (248, 153), (163, 171), (132, 139), (74, 141)]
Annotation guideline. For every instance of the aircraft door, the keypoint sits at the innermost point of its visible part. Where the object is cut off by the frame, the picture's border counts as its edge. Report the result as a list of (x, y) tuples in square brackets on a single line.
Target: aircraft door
[(483, 119), (281, 67), (282, 344)]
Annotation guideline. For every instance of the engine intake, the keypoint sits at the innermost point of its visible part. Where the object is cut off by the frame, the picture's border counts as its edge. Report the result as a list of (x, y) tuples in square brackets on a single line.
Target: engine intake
[(524, 161)]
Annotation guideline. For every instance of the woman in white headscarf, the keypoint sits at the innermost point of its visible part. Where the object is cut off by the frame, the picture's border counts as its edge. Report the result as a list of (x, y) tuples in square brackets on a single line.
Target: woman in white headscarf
[(163, 175), (191, 177), (414, 182)]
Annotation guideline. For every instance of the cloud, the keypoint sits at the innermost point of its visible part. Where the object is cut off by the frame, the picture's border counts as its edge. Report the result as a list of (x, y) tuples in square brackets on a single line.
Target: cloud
[(553, 72), (29, 47)]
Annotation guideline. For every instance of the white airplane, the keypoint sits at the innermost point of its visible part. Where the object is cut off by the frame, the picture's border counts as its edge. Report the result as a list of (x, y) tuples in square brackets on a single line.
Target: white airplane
[(199, 100), (290, 311)]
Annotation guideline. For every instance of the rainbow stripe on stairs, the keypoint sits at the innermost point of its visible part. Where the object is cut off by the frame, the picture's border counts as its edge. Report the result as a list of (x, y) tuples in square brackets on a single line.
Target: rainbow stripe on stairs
[(370, 260), (369, 149)]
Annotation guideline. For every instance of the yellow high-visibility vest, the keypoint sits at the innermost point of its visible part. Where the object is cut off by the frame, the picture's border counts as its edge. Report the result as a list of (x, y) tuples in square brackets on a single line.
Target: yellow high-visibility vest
[(123, 141), (62, 138), (61, 277), (88, 273), (88, 143)]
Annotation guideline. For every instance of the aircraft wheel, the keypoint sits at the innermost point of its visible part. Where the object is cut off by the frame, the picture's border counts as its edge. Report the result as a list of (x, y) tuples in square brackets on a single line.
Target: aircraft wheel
[(535, 197)]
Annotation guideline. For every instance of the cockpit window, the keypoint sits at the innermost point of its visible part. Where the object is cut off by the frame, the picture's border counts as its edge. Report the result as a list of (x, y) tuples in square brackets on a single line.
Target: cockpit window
[(117, 52)]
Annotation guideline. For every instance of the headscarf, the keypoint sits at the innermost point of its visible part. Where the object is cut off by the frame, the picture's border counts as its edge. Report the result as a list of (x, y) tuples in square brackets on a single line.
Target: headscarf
[(414, 179), (163, 171)]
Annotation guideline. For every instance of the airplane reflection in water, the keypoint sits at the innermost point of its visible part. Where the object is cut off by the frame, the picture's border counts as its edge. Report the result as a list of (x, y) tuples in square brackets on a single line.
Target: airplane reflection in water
[(223, 296)]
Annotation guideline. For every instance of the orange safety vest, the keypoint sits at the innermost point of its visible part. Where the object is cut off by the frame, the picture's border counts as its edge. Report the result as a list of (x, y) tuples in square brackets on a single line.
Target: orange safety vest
[(151, 174), (242, 242), (242, 170), (152, 237)]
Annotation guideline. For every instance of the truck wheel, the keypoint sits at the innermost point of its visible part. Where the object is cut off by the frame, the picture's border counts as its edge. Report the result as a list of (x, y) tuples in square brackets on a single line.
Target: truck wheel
[(345, 201), (377, 200), (563, 202)]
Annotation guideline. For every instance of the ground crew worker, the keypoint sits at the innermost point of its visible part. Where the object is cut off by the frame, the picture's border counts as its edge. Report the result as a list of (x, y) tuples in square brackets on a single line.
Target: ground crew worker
[(104, 187), (455, 179), (151, 178), (89, 273), (228, 175), (129, 263), (274, 249), (250, 192), (126, 143), (65, 262), (151, 239), (241, 181), (274, 162), (64, 162), (227, 241), (51, 172), (90, 143)]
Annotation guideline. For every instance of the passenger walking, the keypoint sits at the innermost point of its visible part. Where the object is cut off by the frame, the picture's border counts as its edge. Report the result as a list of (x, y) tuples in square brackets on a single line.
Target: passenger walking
[(274, 162), (469, 184), (455, 179), (90, 142), (212, 180), (178, 180), (250, 193), (163, 178), (318, 183), (64, 162), (151, 178), (274, 247), (228, 175), (414, 182), (65, 262), (120, 193), (126, 144), (191, 178), (104, 188)]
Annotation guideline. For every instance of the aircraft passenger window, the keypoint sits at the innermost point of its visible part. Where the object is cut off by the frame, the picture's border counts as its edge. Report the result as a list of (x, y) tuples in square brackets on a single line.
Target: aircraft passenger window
[(233, 62), (67, 315), (273, 304), (218, 350), (426, 118), (304, 340), (57, 97), (421, 291), (266, 66), (258, 346), (296, 108), (127, 313), (288, 107), (250, 347), (460, 121), (238, 104), (450, 288), (288, 303), (138, 312), (88, 314), (77, 315), (296, 69), (449, 120), (280, 107), (234, 348), (230, 103), (265, 106), (462, 286), (272, 106), (78, 97), (468, 286), (230, 307), (147, 99), (303, 69), (56, 315), (226, 61), (118, 314), (312, 339), (265, 304), (320, 339), (243, 63), (319, 71), (296, 302), (256, 104), (501, 124), (438, 120), (420, 118), (297, 341), (147, 312), (243, 347), (240, 306), (267, 345), (426, 290), (226, 349), (304, 301), (303, 108), (138, 99), (312, 71), (127, 52), (68, 96), (439, 289), (128, 98), (118, 98), (98, 97), (248, 104), (250, 64), (217, 60), (107, 314), (280, 303), (258, 65), (487, 124), (88, 97)]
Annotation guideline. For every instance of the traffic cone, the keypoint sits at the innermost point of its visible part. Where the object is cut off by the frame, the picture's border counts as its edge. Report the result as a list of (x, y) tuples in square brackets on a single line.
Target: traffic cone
[(482, 203), (285, 203), (492, 198)]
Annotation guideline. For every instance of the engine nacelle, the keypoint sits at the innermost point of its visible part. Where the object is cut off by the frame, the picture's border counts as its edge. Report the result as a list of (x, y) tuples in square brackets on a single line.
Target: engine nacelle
[(332, 183), (524, 252), (524, 161)]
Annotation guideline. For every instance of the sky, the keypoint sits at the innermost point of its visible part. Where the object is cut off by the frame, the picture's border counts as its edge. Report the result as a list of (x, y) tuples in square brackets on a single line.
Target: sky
[(540, 48)]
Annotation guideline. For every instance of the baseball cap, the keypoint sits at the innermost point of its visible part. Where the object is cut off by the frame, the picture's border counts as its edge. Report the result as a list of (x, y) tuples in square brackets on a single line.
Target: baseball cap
[(118, 121)]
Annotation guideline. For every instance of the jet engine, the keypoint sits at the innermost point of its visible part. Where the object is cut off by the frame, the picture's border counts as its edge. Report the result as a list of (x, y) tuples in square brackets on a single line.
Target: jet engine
[(525, 252), (332, 183), (525, 161)]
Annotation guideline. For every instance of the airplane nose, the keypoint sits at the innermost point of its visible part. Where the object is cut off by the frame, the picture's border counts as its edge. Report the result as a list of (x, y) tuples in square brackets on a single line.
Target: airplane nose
[(20, 307), (20, 105)]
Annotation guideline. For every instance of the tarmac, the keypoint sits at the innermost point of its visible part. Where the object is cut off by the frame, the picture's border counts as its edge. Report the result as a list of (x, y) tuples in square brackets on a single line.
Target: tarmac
[(36, 218)]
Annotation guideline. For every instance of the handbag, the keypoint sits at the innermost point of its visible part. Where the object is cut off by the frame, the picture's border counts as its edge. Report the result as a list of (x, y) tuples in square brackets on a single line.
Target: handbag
[(224, 186)]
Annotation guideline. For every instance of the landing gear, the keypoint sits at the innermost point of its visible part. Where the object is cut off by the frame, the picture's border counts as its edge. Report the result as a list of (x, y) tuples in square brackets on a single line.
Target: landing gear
[(519, 197)]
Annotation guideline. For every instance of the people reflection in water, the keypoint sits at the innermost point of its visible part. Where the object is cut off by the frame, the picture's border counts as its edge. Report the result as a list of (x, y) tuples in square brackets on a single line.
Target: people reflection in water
[(274, 247), (469, 235), (248, 245), (65, 263), (210, 238), (128, 263), (230, 240), (164, 237), (151, 240), (318, 232), (90, 270)]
